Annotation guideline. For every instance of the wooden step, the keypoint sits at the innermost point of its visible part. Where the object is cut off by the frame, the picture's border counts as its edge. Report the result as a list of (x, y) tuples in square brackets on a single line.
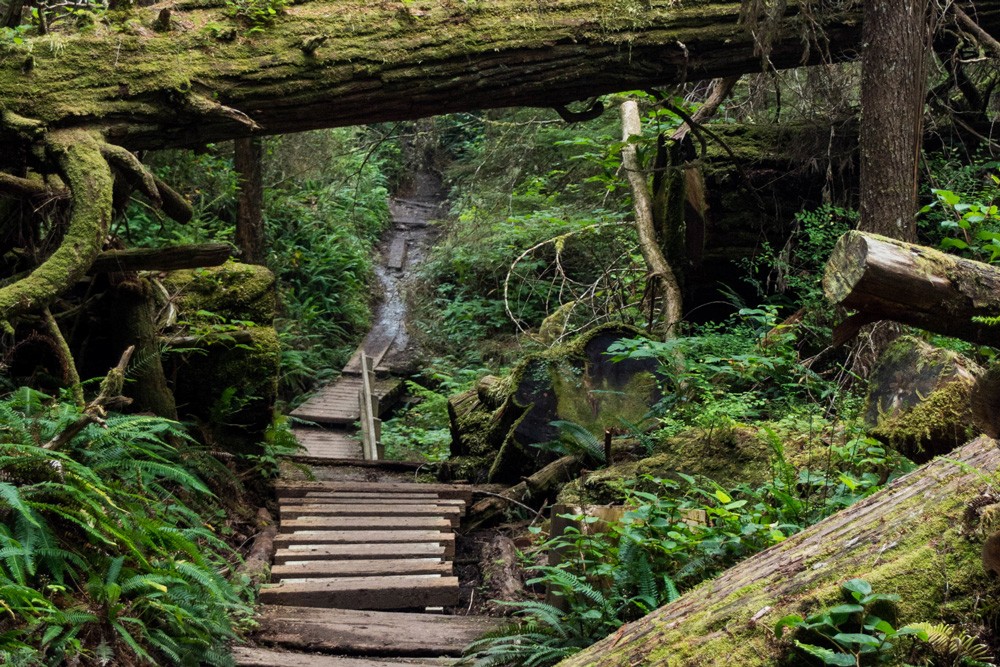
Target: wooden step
[(300, 489), (325, 443), (393, 500), (355, 537), (404, 592), (348, 552), (378, 633), (247, 656), (288, 512), (364, 523), (359, 568)]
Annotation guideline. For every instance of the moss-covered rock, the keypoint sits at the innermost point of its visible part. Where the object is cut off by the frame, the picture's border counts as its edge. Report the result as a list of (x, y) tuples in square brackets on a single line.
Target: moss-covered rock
[(233, 291), (919, 398), (735, 456), (575, 382)]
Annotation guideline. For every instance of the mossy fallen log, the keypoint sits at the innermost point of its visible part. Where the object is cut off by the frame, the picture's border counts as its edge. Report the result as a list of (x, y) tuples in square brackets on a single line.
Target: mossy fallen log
[(886, 279), (921, 538), (322, 63)]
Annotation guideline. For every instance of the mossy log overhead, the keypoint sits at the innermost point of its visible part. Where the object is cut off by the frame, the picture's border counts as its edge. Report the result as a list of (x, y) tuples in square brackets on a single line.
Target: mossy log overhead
[(886, 279), (324, 63), (193, 256), (919, 538)]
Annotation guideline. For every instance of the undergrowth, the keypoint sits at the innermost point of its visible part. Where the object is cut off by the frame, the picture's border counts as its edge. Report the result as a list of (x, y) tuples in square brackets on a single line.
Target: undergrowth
[(108, 553)]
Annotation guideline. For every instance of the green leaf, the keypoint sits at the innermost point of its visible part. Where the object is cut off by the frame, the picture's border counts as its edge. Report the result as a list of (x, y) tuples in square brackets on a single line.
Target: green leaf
[(790, 621), (856, 638), (859, 586), (827, 656), (846, 609)]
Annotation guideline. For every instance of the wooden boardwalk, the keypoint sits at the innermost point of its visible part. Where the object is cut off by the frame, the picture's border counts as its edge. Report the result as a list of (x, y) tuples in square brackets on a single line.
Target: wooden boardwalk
[(362, 572)]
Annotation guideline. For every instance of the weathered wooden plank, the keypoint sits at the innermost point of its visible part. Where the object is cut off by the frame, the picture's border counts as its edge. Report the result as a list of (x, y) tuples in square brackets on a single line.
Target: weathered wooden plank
[(335, 537), (299, 489), (404, 592), (384, 501), (289, 512), (377, 633), (360, 568), (247, 656), (364, 523), (315, 552)]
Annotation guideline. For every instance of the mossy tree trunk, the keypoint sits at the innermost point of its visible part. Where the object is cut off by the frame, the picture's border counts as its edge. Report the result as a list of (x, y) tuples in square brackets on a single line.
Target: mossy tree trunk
[(919, 538)]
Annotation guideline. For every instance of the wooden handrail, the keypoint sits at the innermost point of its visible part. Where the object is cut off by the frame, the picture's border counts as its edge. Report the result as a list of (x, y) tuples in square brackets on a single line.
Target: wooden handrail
[(368, 403)]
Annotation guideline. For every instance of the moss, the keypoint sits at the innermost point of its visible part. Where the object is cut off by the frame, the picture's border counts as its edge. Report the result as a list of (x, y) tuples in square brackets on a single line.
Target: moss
[(233, 291), (230, 388), (944, 416), (86, 172), (729, 457), (919, 549)]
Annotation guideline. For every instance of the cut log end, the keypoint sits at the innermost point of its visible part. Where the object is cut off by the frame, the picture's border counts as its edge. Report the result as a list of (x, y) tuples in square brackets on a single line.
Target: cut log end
[(846, 266)]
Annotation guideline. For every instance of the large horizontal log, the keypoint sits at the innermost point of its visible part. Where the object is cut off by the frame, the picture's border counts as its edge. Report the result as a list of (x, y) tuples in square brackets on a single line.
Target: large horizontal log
[(918, 538), (886, 279), (327, 63), (162, 259)]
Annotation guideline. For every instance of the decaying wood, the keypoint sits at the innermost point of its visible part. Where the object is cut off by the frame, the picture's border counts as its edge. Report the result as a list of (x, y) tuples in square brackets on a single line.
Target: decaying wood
[(162, 259), (530, 490), (257, 564), (985, 402), (886, 279), (206, 80), (907, 539), (501, 571), (642, 203), (109, 396)]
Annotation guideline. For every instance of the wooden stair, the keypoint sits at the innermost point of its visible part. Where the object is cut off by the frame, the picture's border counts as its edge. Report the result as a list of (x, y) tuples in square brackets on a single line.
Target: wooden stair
[(359, 568)]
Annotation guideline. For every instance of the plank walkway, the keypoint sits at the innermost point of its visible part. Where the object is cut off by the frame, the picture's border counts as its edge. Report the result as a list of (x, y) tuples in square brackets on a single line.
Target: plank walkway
[(362, 570)]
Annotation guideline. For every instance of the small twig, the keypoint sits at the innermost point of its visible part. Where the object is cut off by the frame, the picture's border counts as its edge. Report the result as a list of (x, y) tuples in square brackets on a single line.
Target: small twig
[(502, 497)]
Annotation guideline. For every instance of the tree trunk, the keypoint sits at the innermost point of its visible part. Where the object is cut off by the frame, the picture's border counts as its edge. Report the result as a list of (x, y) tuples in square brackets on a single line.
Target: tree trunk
[(248, 161), (919, 538), (893, 87), (885, 279)]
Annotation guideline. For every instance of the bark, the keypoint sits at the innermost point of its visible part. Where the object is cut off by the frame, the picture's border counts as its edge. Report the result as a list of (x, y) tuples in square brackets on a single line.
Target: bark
[(885, 279), (257, 565), (162, 259), (918, 538), (136, 327), (659, 269), (248, 158), (84, 169), (893, 87), (206, 80), (531, 490)]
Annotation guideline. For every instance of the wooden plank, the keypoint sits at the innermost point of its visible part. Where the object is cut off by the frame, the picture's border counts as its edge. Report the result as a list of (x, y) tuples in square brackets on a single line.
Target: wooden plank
[(360, 568), (315, 552), (396, 256), (299, 489), (405, 592), (334, 537), (393, 501), (289, 511), (247, 656), (378, 633), (385, 523)]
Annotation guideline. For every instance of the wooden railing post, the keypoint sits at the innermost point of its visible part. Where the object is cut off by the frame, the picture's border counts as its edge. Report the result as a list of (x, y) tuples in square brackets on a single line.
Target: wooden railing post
[(371, 425)]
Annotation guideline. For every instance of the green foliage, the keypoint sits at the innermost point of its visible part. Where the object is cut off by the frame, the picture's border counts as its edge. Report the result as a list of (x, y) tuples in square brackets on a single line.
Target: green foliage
[(422, 429), (256, 14), (741, 370), (106, 550), (324, 209), (974, 229), (575, 439), (850, 634)]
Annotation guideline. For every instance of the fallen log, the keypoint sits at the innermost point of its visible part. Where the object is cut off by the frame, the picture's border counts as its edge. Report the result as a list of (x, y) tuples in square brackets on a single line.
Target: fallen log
[(162, 259), (886, 279), (919, 538), (257, 565), (530, 490)]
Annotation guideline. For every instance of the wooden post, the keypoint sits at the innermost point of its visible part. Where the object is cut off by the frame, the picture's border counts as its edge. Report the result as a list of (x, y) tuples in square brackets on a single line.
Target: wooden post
[(370, 424)]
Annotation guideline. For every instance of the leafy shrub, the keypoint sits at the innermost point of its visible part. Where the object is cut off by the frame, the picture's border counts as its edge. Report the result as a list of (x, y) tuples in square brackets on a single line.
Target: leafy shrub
[(106, 550)]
